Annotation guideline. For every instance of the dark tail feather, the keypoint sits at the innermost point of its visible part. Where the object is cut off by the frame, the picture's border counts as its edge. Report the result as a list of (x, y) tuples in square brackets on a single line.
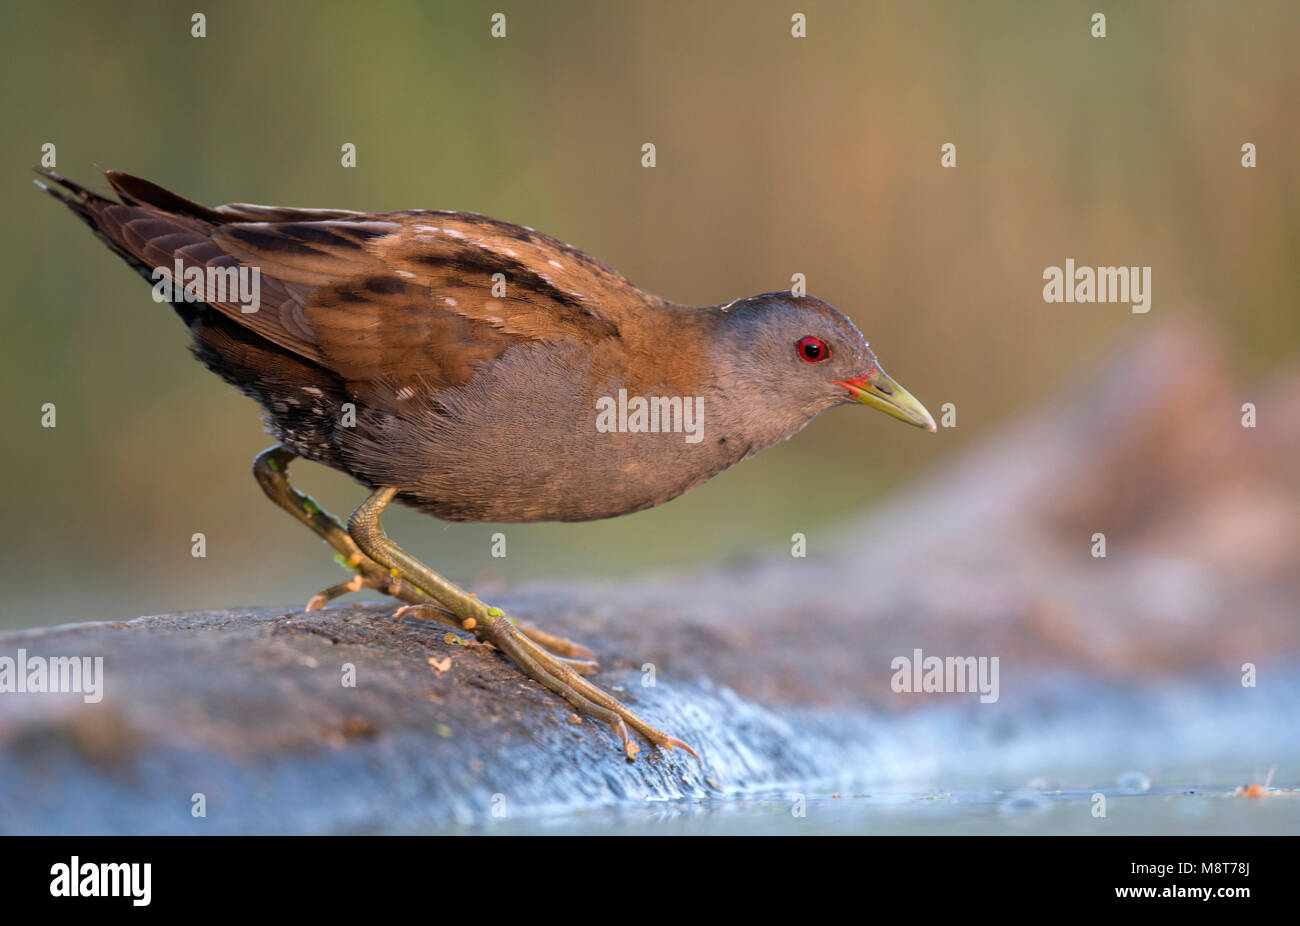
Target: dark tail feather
[(137, 191), (88, 206), (70, 185), (134, 191), (80, 199)]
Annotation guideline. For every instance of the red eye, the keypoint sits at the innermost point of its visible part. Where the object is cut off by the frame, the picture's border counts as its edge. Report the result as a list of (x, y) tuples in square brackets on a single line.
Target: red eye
[(814, 350)]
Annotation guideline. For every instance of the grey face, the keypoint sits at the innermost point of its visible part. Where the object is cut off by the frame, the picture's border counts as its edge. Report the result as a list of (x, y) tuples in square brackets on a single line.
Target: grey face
[(802, 356), (794, 350)]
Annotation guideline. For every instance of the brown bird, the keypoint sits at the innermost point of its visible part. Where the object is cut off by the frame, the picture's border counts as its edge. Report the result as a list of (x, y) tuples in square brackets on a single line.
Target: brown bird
[(478, 371)]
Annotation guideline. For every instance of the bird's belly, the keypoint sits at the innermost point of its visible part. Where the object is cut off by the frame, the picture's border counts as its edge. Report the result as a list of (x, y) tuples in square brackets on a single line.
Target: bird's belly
[(528, 483)]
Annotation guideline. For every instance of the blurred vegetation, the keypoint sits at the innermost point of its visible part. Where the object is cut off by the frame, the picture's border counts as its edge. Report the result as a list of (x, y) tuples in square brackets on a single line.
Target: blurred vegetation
[(775, 156)]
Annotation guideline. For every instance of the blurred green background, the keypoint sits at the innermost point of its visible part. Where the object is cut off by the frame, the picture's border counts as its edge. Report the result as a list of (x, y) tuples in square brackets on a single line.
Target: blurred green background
[(775, 156)]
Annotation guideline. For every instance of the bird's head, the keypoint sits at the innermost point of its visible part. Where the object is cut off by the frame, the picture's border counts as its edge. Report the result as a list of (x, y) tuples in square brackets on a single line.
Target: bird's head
[(803, 357)]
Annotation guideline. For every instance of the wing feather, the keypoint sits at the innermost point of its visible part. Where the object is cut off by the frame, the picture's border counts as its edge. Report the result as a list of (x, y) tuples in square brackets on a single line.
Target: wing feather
[(420, 297)]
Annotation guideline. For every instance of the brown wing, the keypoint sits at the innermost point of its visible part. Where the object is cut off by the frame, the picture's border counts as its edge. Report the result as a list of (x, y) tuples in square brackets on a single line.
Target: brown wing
[(409, 297), (426, 297)]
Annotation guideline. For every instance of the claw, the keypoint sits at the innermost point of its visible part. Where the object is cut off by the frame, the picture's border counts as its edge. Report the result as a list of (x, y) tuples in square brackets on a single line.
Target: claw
[(672, 742), (414, 610), (560, 646), (322, 598)]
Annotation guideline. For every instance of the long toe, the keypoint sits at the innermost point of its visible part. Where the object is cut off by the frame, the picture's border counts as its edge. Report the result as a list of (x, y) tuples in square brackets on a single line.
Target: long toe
[(555, 673)]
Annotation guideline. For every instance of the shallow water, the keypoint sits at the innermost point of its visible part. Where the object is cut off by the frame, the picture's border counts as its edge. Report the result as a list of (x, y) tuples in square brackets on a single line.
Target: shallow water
[(1018, 811), (1158, 759)]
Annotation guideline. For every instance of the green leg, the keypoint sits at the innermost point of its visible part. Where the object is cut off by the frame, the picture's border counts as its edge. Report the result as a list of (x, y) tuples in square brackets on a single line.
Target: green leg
[(493, 626), (271, 468)]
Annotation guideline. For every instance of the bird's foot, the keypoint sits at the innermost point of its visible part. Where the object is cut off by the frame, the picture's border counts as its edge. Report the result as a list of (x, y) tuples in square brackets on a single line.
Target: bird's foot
[(532, 650), (555, 662), (555, 673), (560, 646), (368, 575), (574, 655)]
